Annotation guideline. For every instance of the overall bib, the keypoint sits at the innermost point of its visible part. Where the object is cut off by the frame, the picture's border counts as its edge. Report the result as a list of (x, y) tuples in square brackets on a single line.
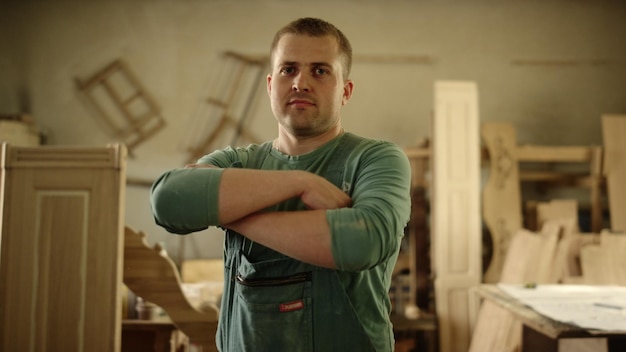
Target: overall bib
[(282, 304)]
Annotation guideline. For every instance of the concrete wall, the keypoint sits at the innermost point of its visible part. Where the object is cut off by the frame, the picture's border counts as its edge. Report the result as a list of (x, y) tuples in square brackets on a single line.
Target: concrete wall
[(574, 53)]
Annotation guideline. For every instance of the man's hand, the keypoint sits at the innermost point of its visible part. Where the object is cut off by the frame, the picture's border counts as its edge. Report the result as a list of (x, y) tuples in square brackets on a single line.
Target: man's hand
[(243, 192), (319, 193)]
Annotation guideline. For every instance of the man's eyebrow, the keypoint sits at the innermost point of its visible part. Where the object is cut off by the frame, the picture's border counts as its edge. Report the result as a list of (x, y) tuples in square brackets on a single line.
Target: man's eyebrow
[(314, 64), (321, 64)]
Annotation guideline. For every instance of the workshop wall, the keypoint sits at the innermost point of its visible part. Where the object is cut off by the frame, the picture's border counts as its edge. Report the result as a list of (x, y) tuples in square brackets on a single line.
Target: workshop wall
[(550, 67)]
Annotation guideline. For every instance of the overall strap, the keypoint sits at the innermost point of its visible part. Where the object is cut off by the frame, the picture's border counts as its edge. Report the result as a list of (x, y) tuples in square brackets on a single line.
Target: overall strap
[(264, 149), (337, 316), (337, 171), (234, 239)]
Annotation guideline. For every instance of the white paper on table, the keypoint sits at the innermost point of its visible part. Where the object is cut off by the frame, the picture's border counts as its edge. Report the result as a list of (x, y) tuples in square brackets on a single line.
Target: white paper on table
[(590, 307)]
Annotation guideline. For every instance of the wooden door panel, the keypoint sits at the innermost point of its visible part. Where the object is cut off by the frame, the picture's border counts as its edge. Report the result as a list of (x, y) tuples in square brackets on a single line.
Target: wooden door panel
[(61, 248)]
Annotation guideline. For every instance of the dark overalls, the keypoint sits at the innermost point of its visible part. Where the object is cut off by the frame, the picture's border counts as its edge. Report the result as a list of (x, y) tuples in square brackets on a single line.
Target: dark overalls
[(281, 304)]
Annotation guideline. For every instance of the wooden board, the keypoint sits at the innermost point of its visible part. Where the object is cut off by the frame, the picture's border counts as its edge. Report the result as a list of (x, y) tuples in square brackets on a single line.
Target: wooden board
[(614, 135), (530, 259), (152, 275), (198, 270), (61, 255), (492, 317), (604, 262), (455, 207), (501, 196), (567, 260), (540, 262), (419, 259), (19, 133), (596, 183), (564, 211), (223, 114), (590, 156), (118, 96)]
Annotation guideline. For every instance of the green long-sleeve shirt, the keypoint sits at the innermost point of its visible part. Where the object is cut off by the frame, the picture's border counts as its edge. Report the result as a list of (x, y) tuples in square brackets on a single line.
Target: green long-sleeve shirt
[(365, 237)]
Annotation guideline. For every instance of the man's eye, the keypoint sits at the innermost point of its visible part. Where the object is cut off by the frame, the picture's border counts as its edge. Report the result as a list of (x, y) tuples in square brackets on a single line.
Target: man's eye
[(287, 70), (320, 71)]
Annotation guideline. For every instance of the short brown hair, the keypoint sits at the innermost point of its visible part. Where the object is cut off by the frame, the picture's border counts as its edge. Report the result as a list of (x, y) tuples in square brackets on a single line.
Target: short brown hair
[(316, 27)]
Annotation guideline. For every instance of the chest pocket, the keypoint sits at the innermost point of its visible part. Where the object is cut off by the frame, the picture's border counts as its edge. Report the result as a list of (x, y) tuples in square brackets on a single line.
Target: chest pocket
[(301, 311), (273, 307)]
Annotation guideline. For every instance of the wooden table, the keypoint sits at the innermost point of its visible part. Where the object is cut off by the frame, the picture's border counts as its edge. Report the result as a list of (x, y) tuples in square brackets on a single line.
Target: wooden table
[(423, 330), (543, 334), (159, 335)]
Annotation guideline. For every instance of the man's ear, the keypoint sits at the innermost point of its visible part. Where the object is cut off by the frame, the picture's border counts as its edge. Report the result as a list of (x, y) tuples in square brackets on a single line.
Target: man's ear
[(347, 91), (269, 84)]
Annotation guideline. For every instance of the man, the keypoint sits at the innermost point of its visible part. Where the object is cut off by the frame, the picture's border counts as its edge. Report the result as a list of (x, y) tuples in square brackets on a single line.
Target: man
[(313, 219)]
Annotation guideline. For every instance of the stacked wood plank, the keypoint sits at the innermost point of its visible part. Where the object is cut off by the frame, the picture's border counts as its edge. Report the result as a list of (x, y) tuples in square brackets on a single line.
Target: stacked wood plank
[(603, 261), (559, 256), (501, 196), (532, 258), (614, 136), (502, 202), (496, 328)]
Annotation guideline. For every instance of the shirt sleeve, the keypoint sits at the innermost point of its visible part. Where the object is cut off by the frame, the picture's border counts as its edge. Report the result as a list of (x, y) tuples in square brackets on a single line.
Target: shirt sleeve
[(370, 231), (186, 200)]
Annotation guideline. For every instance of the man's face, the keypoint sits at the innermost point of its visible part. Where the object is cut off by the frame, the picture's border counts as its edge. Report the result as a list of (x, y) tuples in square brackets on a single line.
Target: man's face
[(306, 85)]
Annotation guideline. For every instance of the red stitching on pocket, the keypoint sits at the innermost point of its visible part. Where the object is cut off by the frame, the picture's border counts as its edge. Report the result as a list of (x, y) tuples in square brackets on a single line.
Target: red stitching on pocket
[(291, 306)]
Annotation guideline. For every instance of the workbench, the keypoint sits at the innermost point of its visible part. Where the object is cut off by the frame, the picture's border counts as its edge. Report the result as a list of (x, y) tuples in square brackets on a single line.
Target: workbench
[(543, 334)]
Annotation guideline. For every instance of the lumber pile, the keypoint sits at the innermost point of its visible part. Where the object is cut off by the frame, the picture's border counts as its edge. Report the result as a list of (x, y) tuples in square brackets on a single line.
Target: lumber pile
[(558, 252), (538, 240)]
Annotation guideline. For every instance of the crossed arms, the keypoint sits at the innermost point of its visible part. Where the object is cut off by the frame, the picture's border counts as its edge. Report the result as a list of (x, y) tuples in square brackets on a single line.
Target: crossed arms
[(244, 193), (334, 231)]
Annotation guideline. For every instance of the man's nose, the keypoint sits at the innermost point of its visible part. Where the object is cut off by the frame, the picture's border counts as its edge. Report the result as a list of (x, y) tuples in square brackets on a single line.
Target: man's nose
[(300, 83)]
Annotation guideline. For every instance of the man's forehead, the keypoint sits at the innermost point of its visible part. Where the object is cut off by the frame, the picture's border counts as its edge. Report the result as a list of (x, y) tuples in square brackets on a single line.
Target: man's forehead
[(303, 48)]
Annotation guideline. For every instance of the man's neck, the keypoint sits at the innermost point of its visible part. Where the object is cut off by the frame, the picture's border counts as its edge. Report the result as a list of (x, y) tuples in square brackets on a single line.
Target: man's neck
[(297, 145)]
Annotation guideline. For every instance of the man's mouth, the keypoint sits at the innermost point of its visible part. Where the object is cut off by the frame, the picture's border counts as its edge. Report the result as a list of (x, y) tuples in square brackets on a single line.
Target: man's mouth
[(300, 103)]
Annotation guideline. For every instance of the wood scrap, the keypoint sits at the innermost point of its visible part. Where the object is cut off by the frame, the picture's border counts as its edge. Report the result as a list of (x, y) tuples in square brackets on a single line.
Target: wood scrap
[(593, 266), (198, 270), (231, 97), (614, 245), (564, 211), (152, 275), (614, 136), (128, 109), (419, 258), (493, 318), (604, 262), (541, 265), (19, 133), (596, 187), (501, 195), (530, 153), (592, 179), (530, 259)]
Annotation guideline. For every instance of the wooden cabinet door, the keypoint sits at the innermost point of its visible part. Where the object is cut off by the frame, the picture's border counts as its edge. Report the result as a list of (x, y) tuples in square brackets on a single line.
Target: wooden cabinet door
[(456, 211), (61, 248)]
